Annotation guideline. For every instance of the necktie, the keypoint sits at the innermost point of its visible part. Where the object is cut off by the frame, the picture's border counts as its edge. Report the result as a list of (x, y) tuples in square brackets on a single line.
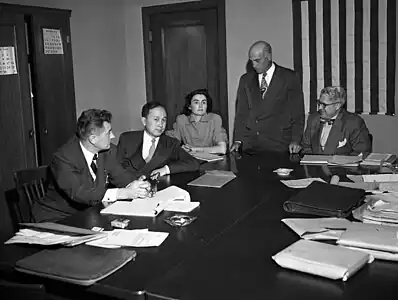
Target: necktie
[(263, 86), (94, 164), (151, 150), (329, 122)]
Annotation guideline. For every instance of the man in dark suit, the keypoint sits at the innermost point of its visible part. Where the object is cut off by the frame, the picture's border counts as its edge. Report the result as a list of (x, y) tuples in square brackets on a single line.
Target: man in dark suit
[(333, 130), (269, 106), (149, 151), (81, 169)]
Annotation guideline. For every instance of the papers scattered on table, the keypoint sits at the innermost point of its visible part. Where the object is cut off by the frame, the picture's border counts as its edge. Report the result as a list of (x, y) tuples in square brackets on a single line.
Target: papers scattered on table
[(300, 183), (381, 208), (318, 228), (42, 237), (130, 238), (213, 178), (206, 156), (322, 259), (148, 207)]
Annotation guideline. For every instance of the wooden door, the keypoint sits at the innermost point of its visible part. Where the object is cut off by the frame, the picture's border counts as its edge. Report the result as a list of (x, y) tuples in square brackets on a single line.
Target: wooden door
[(53, 83), (16, 121), (186, 51)]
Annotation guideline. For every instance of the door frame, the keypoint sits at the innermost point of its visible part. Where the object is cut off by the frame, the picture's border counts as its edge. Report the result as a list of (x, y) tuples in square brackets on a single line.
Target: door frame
[(219, 6)]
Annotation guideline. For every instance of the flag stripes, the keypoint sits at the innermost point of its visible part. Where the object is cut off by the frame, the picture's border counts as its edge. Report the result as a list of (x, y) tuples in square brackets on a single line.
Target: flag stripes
[(351, 43)]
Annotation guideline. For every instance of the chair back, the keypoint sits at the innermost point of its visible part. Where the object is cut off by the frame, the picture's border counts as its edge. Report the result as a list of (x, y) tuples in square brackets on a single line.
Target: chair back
[(21, 291), (31, 185)]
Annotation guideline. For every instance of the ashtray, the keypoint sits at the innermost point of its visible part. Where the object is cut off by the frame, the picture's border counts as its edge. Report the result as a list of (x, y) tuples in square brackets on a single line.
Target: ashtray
[(180, 220), (283, 171)]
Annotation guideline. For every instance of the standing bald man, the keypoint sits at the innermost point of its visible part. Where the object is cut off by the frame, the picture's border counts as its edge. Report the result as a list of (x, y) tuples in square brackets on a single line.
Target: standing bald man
[(269, 106)]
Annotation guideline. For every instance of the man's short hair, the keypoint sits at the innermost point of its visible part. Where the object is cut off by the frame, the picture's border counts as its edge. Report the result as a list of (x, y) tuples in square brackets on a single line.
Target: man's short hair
[(150, 105), (335, 94), (91, 120)]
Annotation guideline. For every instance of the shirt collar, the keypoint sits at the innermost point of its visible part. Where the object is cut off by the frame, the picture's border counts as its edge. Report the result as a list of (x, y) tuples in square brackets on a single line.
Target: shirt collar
[(270, 73), (87, 154), (204, 119), (148, 138)]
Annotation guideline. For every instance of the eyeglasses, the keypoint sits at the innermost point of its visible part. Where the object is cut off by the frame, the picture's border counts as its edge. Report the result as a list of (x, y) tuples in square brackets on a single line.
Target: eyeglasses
[(324, 105)]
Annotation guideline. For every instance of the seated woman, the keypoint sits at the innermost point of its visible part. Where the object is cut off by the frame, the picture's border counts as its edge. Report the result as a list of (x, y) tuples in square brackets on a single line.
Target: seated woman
[(198, 128)]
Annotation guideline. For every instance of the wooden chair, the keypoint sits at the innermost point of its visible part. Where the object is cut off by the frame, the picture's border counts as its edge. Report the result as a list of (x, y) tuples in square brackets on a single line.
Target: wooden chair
[(31, 185), (21, 291)]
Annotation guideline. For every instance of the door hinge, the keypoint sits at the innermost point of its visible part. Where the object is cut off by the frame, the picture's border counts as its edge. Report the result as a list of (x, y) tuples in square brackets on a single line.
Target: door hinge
[(150, 36), (68, 39)]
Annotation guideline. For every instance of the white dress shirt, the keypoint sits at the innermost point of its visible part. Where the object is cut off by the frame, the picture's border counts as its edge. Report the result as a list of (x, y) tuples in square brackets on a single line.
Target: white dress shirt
[(110, 194), (269, 75), (146, 145), (325, 132)]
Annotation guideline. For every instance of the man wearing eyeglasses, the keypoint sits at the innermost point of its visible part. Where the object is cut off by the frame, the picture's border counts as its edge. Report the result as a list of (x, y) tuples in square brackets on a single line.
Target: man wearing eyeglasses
[(334, 130)]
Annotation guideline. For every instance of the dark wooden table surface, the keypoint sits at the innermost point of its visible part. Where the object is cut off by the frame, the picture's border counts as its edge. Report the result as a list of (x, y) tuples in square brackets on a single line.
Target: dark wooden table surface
[(225, 253)]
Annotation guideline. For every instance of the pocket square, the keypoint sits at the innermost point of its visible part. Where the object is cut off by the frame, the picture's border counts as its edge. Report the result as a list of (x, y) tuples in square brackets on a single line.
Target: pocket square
[(342, 143)]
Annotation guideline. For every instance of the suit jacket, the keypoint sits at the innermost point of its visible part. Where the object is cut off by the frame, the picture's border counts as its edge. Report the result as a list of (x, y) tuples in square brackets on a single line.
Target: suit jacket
[(168, 152), (272, 123), (72, 188), (348, 136)]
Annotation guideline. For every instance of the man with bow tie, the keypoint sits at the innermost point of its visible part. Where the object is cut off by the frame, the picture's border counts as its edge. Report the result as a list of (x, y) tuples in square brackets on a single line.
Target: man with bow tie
[(334, 130)]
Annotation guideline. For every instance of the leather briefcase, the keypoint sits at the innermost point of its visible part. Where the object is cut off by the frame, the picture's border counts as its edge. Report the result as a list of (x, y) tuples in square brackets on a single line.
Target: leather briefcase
[(324, 199)]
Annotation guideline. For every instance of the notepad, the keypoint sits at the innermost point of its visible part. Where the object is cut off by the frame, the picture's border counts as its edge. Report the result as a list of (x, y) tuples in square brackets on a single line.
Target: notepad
[(301, 183), (374, 159), (321, 259)]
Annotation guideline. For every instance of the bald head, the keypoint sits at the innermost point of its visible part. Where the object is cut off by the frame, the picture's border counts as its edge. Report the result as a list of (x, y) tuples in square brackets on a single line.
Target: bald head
[(260, 54)]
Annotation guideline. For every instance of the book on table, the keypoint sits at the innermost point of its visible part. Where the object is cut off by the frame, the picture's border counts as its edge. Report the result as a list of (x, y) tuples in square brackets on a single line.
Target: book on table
[(213, 178), (375, 159), (208, 157), (334, 160)]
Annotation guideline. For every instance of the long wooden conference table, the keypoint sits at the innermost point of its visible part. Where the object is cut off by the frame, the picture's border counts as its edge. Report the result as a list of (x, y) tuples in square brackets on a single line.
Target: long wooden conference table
[(226, 252)]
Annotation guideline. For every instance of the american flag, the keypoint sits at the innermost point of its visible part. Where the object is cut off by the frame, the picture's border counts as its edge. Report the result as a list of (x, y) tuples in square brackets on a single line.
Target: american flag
[(351, 43)]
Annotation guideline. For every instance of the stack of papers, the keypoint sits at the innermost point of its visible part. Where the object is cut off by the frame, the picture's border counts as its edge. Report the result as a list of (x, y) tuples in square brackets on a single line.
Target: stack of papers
[(130, 238), (301, 183), (206, 156), (150, 207), (213, 178), (53, 234), (380, 209)]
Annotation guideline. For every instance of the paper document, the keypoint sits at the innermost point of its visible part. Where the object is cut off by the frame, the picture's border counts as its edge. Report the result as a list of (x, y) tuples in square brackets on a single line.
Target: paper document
[(318, 228), (30, 236), (181, 206), (300, 183), (315, 159), (131, 238), (148, 207), (322, 259), (213, 178), (206, 156)]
